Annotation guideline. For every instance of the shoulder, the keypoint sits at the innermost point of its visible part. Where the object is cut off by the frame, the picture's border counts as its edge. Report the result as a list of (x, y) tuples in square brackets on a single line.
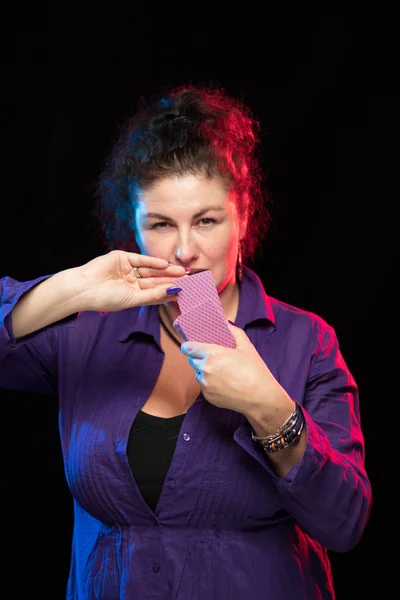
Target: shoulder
[(286, 318), (284, 310), (297, 322)]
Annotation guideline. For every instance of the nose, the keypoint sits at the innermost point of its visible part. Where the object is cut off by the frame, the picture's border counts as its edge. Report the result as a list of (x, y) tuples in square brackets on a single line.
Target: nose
[(186, 251)]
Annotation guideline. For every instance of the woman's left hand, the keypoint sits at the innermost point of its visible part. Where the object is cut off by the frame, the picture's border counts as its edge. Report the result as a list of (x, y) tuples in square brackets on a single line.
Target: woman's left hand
[(234, 378)]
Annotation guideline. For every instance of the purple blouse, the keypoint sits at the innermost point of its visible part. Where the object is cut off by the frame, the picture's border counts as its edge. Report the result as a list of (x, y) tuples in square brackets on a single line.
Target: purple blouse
[(226, 526)]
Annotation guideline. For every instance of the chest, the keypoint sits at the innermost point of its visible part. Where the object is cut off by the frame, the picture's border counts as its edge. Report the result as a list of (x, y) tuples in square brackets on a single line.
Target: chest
[(176, 388), (100, 396)]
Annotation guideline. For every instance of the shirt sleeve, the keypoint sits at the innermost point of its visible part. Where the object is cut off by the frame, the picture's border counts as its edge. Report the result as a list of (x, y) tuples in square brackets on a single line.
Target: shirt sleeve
[(328, 491), (29, 363)]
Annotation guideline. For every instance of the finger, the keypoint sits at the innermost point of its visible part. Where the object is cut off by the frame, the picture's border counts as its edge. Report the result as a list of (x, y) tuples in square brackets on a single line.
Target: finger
[(156, 295), (238, 333), (147, 283), (170, 271), (195, 363), (144, 262), (196, 349)]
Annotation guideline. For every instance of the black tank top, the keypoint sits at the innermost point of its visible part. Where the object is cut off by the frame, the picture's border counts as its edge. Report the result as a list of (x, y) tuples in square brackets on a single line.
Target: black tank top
[(151, 445)]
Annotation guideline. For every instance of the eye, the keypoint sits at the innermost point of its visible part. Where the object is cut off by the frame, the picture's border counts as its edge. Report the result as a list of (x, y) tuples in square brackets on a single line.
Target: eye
[(160, 225), (207, 222)]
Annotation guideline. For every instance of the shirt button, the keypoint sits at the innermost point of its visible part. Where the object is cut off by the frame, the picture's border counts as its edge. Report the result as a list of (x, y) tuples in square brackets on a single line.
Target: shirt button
[(171, 483), (156, 568), (186, 437)]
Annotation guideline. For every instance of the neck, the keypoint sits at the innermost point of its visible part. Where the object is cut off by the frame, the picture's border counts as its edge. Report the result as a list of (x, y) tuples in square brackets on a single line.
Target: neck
[(230, 300), (166, 324)]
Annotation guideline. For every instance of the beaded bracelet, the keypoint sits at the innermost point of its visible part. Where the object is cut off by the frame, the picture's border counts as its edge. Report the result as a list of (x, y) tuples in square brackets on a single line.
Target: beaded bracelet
[(287, 435)]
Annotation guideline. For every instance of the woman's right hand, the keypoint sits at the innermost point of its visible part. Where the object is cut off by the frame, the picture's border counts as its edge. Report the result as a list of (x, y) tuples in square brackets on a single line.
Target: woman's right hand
[(111, 284)]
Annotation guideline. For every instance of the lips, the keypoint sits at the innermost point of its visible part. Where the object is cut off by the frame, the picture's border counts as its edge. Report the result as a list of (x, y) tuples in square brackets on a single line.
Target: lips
[(194, 271)]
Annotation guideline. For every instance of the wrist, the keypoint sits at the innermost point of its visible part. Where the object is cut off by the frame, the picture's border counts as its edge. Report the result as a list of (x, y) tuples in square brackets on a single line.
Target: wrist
[(288, 434), (82, 289), (269, 410), (265, 423)]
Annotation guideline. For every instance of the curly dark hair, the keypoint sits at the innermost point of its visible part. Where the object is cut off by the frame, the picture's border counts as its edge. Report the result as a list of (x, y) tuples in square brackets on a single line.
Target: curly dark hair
[(194, 130)]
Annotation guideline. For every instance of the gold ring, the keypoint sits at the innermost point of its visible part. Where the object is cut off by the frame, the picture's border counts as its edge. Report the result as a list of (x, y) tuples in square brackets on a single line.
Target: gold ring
[(136, 271)]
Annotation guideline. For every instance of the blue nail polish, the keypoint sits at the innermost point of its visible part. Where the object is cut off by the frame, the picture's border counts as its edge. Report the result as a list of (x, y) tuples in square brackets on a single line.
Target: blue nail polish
[(173, 290)]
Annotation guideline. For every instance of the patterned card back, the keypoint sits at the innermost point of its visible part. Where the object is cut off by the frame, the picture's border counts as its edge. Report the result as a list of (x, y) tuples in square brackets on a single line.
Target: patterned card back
[(202, 318)]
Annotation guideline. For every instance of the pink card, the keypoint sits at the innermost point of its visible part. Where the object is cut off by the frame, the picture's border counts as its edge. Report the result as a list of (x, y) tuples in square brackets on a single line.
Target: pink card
[(196, 289), (202, 318)]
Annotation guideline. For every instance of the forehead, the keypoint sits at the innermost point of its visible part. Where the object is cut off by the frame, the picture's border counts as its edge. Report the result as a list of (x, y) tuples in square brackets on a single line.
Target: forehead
[(188, 191)]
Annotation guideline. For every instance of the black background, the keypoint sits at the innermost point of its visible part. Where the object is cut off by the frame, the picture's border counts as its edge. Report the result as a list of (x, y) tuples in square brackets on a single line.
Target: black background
[(324, 87)]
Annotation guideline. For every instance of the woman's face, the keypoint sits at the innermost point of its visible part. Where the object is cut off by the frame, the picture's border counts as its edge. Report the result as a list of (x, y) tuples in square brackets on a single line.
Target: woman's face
[(191, 221)]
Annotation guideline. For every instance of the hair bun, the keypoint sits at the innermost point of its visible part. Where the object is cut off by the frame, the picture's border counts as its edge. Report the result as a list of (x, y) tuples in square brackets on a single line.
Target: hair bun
[(180, 119)]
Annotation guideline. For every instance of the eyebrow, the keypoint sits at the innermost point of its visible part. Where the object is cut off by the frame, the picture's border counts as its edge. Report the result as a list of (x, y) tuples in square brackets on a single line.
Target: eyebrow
[(195, 216)]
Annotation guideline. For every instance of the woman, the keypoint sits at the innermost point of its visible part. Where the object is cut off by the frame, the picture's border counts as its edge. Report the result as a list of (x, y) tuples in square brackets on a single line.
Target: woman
[(197, 471)]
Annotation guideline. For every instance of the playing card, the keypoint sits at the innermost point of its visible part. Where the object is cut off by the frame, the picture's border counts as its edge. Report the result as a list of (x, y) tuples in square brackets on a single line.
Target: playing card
[(196, 289), (202, 318)]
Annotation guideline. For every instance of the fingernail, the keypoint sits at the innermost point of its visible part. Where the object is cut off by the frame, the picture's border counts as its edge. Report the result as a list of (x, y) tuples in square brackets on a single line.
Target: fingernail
[(170, 262), (173, 290), (188, 270)]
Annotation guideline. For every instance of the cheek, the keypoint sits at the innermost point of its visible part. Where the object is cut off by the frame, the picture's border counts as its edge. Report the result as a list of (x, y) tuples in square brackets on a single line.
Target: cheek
[(152, 245), (144, 241), (231, 256), (229, 245), (224, 251)]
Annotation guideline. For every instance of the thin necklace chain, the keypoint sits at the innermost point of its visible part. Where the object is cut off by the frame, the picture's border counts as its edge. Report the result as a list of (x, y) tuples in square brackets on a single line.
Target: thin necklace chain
[(164, 325)]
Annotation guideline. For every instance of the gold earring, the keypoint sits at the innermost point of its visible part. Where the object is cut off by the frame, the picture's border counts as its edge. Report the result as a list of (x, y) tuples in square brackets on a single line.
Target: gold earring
[(239, 266)]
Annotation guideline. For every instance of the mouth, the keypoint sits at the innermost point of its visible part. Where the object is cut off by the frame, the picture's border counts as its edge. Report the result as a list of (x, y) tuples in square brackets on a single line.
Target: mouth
[(195, 271)]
